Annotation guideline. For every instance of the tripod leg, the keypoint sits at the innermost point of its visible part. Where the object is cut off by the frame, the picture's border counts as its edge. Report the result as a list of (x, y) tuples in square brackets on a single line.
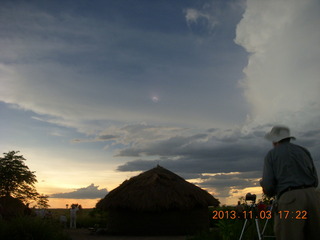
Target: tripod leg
[(258, 229), (243, 228), (265, 226), (266, 223)]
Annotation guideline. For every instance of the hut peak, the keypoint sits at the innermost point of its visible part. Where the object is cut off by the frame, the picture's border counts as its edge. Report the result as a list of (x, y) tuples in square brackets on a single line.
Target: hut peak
[(155, 190), (157, 201)]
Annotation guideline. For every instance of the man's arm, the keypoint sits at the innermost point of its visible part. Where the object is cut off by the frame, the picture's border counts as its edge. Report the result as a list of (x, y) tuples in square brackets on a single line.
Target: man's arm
[(268, 182), (313, 169)]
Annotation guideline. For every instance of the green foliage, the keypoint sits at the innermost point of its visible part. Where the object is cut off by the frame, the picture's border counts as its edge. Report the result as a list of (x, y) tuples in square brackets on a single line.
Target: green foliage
[(100, 216), (229, 229), (85, 217), (266, 199), (212, 235), (31, 228), (16, 179)]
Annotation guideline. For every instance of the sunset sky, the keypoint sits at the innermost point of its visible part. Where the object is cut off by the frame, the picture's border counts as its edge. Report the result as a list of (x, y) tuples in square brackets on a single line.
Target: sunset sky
[(93, 92)]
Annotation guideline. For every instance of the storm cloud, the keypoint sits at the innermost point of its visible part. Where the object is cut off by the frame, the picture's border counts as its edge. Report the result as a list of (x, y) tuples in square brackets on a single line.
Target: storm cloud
[(190, 85)]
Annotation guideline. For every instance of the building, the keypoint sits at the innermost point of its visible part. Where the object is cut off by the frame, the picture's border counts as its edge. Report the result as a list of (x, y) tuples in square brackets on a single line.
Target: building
[(157, 202)]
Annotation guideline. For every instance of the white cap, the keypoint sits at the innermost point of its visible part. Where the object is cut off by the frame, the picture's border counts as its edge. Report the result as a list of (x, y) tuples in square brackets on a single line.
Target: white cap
[(278, 133)]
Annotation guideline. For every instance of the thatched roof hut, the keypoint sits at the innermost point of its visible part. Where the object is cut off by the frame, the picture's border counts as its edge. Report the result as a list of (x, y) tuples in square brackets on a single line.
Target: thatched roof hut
[(157, 201), (11, 207)]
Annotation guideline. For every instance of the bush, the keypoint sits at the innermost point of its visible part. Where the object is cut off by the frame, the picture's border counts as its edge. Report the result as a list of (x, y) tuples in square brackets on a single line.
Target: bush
[(214, 234), (31, 228), (230, 229), (86, 218)]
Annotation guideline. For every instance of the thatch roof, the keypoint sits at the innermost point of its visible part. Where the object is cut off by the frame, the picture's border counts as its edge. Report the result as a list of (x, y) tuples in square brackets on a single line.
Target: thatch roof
[(11, 207), (157, 189)]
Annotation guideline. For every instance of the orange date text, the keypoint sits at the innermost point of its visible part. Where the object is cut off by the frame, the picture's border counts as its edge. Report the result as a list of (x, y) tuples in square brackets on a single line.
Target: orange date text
[(299, 214), (245, 215)]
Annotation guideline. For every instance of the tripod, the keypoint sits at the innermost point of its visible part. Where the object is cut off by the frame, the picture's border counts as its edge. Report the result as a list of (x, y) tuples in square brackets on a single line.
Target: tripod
[(266, 223), (253, 210)]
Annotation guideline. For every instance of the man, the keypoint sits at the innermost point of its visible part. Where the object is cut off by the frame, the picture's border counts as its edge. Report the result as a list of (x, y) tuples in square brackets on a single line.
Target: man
[(63, 221), (290, 175), (239, 210), (73, 216)]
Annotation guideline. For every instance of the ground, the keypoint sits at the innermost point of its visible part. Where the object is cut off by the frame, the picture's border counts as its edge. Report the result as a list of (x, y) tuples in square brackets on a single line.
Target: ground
[(84, 234)]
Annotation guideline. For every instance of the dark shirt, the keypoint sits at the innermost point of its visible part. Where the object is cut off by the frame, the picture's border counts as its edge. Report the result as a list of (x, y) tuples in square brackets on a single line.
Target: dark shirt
[(287, 165)]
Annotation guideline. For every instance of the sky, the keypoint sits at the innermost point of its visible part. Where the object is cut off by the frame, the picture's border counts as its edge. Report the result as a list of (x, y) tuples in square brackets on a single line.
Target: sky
[(95, 92)]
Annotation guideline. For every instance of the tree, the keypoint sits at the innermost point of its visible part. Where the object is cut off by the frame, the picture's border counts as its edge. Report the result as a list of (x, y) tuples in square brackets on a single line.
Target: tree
[(42, 202), (16, 180), (242, 200), (266, 199), (76, 205)]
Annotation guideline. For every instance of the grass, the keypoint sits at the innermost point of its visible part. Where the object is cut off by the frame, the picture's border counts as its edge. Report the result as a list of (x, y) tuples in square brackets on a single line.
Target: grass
[(85, 217), (230, 229), (31, 228), (34, 228), (49, 228)]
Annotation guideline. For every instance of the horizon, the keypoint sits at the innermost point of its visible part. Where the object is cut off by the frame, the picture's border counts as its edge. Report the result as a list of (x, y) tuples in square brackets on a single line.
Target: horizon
[(95, 92)]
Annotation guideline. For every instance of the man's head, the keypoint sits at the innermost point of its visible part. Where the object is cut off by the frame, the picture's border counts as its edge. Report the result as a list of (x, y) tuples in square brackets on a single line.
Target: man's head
[(279, 133)]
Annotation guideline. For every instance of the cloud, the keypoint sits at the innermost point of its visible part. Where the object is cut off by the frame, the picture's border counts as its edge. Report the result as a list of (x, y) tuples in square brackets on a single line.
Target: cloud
[(90, 192), (102, 138), (141, 133), (220, 160), (213, 152), (194, 16), (282, 76), (223, 184), (85, 72), (98, 76), (182, 150), (184, 143), (206, 19)]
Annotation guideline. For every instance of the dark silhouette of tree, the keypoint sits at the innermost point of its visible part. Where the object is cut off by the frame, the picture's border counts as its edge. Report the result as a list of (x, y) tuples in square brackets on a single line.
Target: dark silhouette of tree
[(16, 179), (266, 199), (76, 205), (42, 201)]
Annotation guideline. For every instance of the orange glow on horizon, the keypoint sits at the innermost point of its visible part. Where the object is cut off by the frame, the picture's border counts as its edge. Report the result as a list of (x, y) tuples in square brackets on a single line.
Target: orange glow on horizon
[(62, 202)]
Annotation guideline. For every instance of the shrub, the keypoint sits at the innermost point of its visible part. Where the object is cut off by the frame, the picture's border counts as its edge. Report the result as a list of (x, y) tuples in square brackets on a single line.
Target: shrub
[(214, 234), (229, 229), (31, 228)]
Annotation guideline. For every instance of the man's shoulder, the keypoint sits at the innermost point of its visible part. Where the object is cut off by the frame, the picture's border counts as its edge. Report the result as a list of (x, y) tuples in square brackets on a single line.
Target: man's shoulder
[(287, 146), (303, 149), (296, 146), (281, 149), (284, 149), (272, 151), (269, 155)]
